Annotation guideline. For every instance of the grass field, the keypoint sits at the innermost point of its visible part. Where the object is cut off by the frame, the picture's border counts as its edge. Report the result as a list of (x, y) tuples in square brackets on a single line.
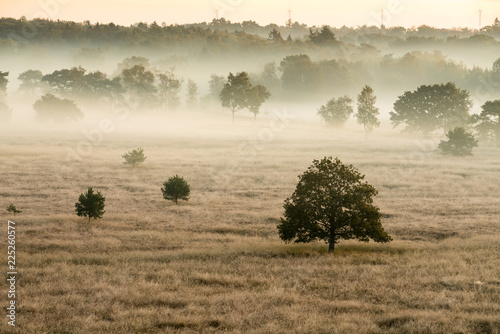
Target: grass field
[(216, 264)]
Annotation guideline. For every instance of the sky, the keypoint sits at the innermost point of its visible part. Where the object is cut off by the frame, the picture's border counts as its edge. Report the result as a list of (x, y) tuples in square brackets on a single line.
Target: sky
[(407, 13)]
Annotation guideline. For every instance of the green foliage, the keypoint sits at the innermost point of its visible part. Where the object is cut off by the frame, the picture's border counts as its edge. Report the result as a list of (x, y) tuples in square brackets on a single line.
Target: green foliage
[(299, 74), (3, 83), (238, 93), (134, 157), (12, 208), (323, 36), (168, 89), (488, 121), (367, 111), (459, 143), (337, 111), (331, 203), (257, 95), (275, 37), (215, 86), (140, 84), (90, 205), (30, 81), (176, 188), (50, 107), (433, 107)]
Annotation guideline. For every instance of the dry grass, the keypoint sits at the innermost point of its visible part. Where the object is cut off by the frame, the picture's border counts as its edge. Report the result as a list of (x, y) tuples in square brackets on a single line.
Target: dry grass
[(216, 264)]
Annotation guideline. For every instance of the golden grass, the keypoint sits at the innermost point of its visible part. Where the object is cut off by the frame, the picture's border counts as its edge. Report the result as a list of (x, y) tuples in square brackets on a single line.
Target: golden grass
[(216, 264)]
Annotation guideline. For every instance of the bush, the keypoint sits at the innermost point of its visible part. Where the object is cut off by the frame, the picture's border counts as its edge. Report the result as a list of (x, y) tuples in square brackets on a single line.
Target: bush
[(134, 157), (50, 107), (12, 208), (459, 143), (90, 205), (176, 188)]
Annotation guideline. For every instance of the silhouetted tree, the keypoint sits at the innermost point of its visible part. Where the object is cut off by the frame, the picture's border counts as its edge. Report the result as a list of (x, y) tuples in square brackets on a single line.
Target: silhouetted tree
[(367, 111), (3, 83), (234, 95), (488, 121), (337, 111), (432, 107), (216, 85), (50, 107), (140, 84), (460, 142), (275, 37), (300, 75), (90, 205), (256, 97), (31, 80), (323, 36), (331, 202)]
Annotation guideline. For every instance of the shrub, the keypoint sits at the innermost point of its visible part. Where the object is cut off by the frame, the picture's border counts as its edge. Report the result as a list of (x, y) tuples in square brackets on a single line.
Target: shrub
[(134, 157), (90, 205), (176, 188), (459, 143)]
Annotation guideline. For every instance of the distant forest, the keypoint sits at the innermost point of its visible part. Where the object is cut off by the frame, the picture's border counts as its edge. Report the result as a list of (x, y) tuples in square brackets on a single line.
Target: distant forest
[(292, 60)]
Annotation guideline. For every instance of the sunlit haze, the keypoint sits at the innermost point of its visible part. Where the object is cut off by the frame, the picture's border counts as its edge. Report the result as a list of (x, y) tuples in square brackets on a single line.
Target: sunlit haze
[(439, 13)]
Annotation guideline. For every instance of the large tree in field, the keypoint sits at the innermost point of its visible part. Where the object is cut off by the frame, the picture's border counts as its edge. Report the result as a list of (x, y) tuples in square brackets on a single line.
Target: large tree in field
[(488, 121), (433, 107), (367, 111), (168, 89), (140, 85), (331, 202), (234, 95), (337, 111)]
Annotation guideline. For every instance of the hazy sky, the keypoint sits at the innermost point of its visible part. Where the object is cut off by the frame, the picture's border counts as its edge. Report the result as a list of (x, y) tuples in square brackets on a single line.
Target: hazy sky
[(440, 13)]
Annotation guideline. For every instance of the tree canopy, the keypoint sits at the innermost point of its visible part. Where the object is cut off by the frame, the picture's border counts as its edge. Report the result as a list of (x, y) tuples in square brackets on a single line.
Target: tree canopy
[(50, 107), (331, 202), (337, 111), (441, 106)]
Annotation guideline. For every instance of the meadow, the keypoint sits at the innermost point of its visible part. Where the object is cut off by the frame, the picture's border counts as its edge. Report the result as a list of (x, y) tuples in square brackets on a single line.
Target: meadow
[(216, 263)]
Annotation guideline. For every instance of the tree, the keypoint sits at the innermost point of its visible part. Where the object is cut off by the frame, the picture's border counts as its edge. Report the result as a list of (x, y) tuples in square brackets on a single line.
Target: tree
[(256, 97), (90, 205), (68, 82), (331, 202), (488, 122), (215, 86), (168, 89), (323, 36), (12, 208), (432, 107), (140, 84), (459, 142), (176, 188), (3, 83), (367, 112), (337, 111), (30, 81), (234, 95), (50, 107), (192, 94), (275, 37), (134, 157), (300, 75)]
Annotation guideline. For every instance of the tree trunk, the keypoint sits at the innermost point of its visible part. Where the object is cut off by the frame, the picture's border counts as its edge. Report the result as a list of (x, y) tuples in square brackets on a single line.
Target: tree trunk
[(331, 245)]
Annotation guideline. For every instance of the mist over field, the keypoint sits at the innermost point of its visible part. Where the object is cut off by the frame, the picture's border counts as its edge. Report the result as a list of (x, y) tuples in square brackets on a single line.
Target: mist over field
[(401, 126)]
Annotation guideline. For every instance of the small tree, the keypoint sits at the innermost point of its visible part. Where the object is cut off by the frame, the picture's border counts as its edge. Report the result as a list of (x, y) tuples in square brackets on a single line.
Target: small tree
[(337, 111), (90, 205), (134, 157), (331, 203), (234, 95), (176, 188), (367, 112), (12, 208), (459, 142)]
